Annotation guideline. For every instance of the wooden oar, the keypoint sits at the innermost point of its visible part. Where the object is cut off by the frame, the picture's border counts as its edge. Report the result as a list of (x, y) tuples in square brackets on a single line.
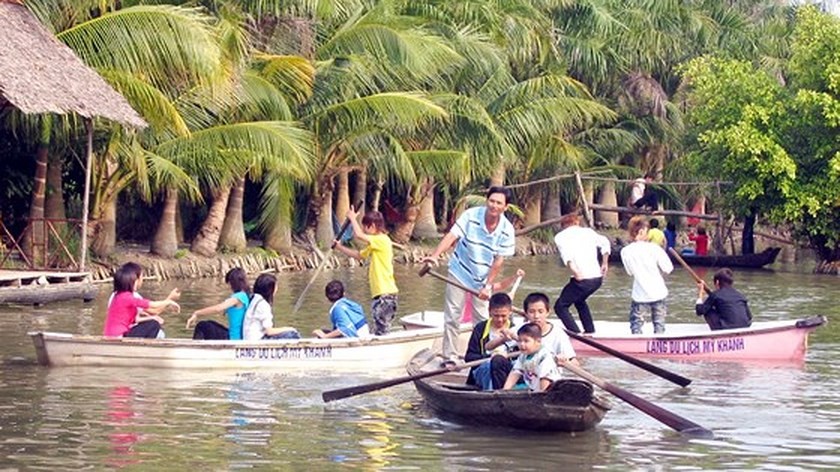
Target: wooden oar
[(689, 269), (341, 231), (669, 418), (665, 374), (338, 394)]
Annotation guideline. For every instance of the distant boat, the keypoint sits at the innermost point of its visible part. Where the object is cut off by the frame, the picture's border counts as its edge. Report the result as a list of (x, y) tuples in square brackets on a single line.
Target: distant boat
[(570, 405), (337, 354), (743, 261), (763, 341), (736, 261)]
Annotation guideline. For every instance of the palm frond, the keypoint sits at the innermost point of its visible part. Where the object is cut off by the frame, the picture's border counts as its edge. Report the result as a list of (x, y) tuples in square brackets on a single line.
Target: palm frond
[(395, 111), (292, 75), (167, 44), (448, 165), (270, 145), (156, 108)]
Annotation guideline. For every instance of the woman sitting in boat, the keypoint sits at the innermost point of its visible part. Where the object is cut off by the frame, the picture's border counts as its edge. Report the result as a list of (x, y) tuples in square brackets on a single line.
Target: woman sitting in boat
[(234, 307), (726, 308), (123, 319), (553, 337), (347, 316), (535, 364), (259, 319), (490, 338)]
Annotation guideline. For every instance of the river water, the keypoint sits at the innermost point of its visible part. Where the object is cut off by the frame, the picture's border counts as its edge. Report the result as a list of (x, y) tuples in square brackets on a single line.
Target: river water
[(770, 417)]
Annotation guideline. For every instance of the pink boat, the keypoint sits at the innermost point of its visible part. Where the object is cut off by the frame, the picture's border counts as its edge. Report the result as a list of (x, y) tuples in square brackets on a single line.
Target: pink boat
[(763, 341)]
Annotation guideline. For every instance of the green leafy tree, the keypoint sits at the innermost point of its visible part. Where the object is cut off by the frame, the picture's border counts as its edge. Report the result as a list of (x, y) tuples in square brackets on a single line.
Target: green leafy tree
[(777, 143)]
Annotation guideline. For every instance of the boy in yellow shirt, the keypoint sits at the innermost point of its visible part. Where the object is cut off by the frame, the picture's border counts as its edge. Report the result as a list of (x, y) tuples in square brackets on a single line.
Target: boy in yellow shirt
[(380, 251)]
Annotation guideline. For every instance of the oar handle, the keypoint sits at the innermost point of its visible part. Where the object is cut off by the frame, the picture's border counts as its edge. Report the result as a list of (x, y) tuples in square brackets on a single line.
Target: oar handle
[(515, 287), (345, 225), (340, 393), (688, 269)]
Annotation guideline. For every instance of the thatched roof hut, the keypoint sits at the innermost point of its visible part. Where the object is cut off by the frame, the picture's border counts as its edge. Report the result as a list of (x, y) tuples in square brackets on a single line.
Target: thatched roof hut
[(40, 74)]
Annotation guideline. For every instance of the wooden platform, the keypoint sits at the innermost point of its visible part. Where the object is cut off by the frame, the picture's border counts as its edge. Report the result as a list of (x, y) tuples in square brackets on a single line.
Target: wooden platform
[(39, 287), (19, 278)]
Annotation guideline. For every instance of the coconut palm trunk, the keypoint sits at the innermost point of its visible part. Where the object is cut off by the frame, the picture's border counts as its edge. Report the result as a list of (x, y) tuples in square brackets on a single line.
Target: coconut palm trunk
[(33, 239), (360, 190), (551, 205), (104, 239), (425, 227), (377, 195), (279, 236), (54, 208), (206, 241), (322, 204), (533, 210), (165, 241), (233, 230), (607, 197), (342, 194)]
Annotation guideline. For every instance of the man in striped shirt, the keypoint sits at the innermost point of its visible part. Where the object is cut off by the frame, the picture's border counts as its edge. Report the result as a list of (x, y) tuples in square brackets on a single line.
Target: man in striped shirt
[(483, 237)]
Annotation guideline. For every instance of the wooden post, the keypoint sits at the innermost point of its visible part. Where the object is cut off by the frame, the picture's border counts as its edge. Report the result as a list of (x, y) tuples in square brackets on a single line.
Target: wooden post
[(86, 197), (719, 248), (586, 212)]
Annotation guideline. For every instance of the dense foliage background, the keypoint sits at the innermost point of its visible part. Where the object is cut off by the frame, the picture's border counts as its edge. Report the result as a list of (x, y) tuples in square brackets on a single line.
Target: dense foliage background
[(267, 117)]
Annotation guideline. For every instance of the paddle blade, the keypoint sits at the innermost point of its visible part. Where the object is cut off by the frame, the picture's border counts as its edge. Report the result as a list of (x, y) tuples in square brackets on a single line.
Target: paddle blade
[(683, 425)]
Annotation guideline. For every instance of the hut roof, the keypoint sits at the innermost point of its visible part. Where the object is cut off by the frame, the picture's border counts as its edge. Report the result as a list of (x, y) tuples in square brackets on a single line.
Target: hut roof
[(40, 74)]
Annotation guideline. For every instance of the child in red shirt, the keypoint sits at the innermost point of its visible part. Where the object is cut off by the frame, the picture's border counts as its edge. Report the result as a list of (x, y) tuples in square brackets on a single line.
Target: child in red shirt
[(701, 241)]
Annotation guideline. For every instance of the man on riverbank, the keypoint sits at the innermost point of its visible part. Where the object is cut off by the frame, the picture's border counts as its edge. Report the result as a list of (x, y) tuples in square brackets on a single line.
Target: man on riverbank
[(482, 237)]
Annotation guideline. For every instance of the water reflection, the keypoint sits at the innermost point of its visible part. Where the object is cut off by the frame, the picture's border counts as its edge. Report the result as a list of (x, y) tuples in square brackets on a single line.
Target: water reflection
[(780, 417), (120, 418)]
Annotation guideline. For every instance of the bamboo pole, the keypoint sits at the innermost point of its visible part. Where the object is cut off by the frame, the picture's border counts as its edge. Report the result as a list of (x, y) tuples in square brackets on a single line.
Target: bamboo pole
[(587, 214), (638, 211), (542, 224), (674, 184)]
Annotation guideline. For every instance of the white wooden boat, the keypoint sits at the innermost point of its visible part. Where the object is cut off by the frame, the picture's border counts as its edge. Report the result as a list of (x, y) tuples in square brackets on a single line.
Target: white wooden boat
[(343, 354), (785, 340)]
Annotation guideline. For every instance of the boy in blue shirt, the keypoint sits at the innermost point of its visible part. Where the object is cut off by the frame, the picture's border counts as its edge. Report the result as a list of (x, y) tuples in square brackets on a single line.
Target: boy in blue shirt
[(347, 316)]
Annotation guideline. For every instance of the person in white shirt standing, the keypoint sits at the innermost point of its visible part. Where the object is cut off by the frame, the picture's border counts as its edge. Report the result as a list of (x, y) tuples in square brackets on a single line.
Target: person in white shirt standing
[(646, 262), (579, 248)]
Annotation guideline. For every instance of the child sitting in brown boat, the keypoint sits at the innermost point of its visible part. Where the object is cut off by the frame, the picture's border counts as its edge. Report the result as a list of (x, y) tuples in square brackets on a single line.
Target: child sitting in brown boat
[(489, 338), (535, 364)]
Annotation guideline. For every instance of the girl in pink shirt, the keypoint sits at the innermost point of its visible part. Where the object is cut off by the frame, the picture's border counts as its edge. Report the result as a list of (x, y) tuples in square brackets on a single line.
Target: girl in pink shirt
[(122, 319)]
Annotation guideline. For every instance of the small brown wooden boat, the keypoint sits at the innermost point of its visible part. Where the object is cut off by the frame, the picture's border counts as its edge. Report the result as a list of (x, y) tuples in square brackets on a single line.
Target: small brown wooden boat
[(570, 405), (733, 261), (744, 261)]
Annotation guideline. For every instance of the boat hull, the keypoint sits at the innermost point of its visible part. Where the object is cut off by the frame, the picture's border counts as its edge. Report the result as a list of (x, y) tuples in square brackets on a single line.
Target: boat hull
[(763, 341), (391, 351), (744, 261), (570, 406)]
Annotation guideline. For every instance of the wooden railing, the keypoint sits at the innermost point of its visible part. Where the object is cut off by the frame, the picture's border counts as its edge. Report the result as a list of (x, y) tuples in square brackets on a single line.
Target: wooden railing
[(45, 243)]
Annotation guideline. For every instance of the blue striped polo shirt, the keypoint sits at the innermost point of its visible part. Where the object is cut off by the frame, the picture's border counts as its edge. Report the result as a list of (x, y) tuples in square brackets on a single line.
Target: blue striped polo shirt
[(476, 248)]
